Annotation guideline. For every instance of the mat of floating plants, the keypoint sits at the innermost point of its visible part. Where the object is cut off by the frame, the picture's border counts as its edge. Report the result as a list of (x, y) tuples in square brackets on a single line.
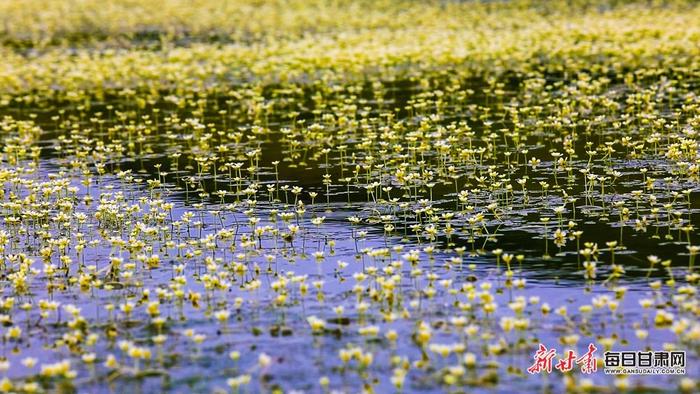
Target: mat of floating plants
[(312, 196)]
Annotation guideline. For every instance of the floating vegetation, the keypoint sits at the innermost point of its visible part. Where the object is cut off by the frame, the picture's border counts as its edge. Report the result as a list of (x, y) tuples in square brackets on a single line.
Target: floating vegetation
[(336, 196)]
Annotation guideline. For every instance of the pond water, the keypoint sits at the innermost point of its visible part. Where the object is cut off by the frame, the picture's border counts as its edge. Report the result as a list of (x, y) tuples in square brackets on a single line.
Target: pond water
[(349, 232)]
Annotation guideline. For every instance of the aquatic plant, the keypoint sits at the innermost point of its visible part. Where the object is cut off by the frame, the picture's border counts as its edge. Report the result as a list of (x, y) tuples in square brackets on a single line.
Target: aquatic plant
[(220, 196)]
